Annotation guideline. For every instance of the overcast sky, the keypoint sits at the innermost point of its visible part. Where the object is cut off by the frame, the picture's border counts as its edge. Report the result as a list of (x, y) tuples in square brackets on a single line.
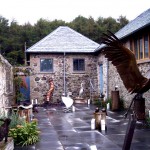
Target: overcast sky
[(24, 11)]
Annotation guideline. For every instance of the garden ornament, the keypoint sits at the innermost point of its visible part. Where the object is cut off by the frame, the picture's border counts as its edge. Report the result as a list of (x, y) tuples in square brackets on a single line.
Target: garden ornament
[(4, 129), (51, 90), (81, 90), (68, 101)]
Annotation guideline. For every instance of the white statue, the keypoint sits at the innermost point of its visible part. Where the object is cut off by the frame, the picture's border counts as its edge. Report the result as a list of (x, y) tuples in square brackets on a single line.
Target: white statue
[(81, 90)]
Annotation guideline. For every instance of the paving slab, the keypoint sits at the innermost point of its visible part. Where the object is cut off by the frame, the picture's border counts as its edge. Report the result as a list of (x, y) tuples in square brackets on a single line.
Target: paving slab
[(72, 131)]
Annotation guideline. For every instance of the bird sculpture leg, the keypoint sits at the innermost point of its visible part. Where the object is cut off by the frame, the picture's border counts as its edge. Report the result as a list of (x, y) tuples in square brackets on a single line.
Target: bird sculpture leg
[(126, 114), (139, 107), (137, 98)]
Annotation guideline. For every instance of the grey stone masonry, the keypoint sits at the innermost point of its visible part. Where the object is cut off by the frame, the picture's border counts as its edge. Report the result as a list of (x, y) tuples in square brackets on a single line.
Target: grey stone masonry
[(115, 80), (39, 80), (6, 84)]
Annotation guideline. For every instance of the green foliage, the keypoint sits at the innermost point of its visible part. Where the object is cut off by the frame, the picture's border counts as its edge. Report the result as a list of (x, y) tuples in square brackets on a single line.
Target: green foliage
[(18, 85), (25, 135), (97, 103), (109, 100), (15, 119), (148, 122), (100, 103), (122, 106), (13, 37)]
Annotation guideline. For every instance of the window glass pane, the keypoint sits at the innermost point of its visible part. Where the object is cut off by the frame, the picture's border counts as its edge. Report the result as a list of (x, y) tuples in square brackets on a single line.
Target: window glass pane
[(136, 48), (146, 50), (81, 64), (46, 65), (78, 65), (141, 48), (75, 64)]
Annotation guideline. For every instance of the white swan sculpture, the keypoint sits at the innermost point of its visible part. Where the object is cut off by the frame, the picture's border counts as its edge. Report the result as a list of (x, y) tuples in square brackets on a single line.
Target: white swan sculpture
[(68, 101)]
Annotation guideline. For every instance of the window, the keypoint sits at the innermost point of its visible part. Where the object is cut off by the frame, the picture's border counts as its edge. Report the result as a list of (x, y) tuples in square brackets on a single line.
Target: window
[(136, 48), (141, 47), (146, 51), (46, 65), (78, 65)]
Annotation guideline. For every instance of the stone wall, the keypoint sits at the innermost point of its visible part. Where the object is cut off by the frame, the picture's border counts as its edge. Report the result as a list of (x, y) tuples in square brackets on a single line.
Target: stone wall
[(111, 78), (6, 84), (38, 81), (115, 80)]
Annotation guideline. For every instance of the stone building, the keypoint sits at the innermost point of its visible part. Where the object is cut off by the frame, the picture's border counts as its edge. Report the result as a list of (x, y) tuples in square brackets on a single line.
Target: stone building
[(70, 58), (135, 36), (67, 57), (6, 85)]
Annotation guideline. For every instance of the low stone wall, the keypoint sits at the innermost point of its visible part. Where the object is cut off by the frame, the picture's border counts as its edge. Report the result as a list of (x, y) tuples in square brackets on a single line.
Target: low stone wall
[(6, 84)]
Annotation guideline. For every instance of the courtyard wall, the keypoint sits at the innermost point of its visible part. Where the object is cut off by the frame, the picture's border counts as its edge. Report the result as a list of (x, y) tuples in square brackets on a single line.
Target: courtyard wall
[(6, 85)]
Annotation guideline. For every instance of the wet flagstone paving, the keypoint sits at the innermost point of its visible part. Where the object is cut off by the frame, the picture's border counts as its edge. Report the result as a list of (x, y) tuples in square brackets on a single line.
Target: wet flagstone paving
[(72, 131)]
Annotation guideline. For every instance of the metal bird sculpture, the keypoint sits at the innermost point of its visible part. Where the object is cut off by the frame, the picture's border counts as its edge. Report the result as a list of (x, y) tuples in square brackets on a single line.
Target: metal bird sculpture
[(125, 62)]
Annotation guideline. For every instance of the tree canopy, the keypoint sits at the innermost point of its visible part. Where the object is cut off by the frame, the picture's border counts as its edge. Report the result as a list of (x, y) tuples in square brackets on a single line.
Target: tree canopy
[(13, 36)]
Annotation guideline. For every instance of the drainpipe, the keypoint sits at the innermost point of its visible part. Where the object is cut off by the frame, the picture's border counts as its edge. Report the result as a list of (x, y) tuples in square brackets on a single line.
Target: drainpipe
[(107, 76), (25, 57), (64, 75)]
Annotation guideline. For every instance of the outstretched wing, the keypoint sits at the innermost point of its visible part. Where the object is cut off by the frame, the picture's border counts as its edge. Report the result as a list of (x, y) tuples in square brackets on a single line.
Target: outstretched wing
[(125, 62)]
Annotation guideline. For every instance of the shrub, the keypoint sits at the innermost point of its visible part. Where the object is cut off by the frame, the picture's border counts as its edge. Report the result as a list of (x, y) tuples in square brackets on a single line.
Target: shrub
[(15, 119), (122, 105), (26, 134), (148, 122), (23, 133)]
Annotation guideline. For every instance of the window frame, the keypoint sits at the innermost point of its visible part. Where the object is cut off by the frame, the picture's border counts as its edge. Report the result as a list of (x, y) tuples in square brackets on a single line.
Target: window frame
[(46, 70), (78, 68), (148, 47), (139, 47)]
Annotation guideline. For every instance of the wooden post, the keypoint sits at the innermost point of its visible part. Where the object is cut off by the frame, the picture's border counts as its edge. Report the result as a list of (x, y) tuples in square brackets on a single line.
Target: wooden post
[(115, 100)]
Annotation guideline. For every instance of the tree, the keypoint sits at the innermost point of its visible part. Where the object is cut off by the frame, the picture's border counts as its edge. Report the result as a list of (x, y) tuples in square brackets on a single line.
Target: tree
[(122, 20), (13, 37), (3, 34), (79, 24)]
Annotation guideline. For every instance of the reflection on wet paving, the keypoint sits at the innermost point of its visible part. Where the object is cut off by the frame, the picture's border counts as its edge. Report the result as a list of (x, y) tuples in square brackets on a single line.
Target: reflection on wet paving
[(72, 131)]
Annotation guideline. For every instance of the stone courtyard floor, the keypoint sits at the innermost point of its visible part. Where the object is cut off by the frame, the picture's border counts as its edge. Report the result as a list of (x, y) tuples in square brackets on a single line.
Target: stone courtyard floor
[(72, 131)]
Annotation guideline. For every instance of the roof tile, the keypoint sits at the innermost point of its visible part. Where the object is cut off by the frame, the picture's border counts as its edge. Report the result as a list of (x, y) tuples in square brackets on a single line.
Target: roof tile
[(64, 39)]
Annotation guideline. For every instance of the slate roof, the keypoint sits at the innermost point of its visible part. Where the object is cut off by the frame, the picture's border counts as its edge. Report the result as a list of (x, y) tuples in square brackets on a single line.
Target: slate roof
[(64, 39), (138, 23)]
